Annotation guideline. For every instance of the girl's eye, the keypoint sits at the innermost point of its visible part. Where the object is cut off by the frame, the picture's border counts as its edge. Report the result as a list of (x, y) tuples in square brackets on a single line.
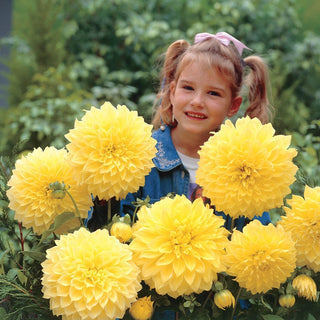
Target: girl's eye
[(214, 93), (187, 88)]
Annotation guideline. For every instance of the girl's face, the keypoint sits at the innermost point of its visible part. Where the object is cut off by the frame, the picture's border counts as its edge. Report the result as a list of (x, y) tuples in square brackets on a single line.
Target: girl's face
[(201, 99)]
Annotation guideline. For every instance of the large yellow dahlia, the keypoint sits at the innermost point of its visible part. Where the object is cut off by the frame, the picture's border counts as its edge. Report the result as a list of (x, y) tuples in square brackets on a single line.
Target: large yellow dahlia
[(179, 246), (30, 196), (111, 151), (303, 220), (90, 276), (261, 257), (245, 169)]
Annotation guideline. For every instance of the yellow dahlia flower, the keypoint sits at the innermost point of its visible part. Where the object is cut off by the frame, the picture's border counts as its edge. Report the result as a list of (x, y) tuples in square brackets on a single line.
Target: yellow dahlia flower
[(90, 276), (224, 299), (122, 231), (306, 287), (303, 220), (287, 300), (261, 257), (34, 203), (142, 309), (245, 169), (179, 246), (111, 151)]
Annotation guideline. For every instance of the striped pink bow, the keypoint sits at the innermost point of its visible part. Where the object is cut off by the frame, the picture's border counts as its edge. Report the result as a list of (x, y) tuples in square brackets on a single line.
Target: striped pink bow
[(224, 37)]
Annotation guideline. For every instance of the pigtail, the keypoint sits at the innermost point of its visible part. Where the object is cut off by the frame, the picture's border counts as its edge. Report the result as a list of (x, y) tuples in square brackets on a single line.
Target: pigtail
[(172, 58), (257, 82)]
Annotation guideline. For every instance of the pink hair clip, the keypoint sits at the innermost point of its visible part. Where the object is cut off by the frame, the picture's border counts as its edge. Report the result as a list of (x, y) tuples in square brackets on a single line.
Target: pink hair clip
[(224, 37)]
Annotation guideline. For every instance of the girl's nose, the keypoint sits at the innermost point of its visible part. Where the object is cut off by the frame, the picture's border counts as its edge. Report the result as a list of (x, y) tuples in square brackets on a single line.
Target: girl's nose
[(197, 99)]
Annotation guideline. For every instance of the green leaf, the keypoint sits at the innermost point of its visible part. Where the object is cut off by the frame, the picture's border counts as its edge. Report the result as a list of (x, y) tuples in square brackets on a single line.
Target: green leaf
[(3, 254), (35, 255), (267, 305), (3, 203), (16, 272), (200, 314), (271, 317), (58, 222), (311, 317)]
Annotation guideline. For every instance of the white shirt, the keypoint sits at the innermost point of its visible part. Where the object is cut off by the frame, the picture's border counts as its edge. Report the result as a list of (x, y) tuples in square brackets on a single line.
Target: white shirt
[(191, 164)]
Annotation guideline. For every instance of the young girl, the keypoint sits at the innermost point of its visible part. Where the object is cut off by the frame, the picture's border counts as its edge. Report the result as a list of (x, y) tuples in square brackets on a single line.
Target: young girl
[(201, 86)]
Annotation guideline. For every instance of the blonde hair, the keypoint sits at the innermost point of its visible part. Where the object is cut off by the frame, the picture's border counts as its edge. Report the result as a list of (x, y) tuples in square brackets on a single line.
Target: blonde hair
[(228, 62)]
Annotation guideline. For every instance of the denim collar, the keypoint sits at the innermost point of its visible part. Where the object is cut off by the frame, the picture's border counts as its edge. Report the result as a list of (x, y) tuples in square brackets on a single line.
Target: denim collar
[(167, 157)]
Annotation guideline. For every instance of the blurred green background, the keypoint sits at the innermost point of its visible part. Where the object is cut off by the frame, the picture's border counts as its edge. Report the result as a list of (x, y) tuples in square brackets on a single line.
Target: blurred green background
[(67, 55)]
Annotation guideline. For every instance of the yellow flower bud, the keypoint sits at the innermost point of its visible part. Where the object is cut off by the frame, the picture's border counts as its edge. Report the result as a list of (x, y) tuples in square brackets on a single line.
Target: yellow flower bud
[(224, 299), (305, 286), (142, 309), (122, 231), (287, 300)]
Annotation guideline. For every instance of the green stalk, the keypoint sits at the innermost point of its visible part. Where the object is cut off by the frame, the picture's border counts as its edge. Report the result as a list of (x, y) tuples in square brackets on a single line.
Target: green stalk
[(235, 304), (134, 215), (76, 207)]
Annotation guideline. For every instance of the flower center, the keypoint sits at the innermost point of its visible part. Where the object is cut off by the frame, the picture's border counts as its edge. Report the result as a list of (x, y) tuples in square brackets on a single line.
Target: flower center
[(245, 174), (112, 150), (260, 260), (181, 241), (94, 276)]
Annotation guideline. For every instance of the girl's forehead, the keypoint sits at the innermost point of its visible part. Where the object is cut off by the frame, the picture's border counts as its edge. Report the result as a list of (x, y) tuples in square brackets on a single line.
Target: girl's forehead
[(192, 65)]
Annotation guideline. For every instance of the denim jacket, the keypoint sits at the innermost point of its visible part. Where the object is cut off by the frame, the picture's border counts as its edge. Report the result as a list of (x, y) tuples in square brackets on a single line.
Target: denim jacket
[(169, 175)]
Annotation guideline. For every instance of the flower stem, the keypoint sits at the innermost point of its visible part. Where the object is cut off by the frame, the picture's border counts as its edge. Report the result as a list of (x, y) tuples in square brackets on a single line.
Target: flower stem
[(109, 210), (76, 207), (232, 224), (235, 304), (134, 215), (21, 239), (4, 171), (207, 299)]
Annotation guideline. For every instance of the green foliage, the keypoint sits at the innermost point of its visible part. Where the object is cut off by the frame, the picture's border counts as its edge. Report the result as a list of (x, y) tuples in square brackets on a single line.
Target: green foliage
[(307, 144), (110, 51), (53, 101)]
